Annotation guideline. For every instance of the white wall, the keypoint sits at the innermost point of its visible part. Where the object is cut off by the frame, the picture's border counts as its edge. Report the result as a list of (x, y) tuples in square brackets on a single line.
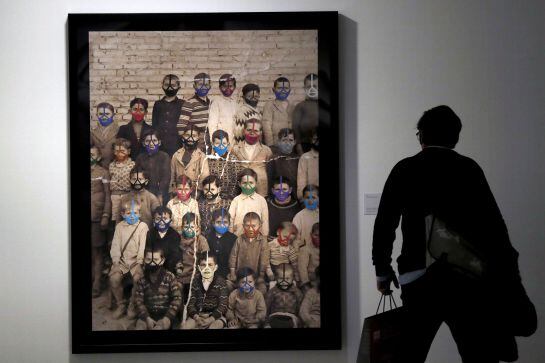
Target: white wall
[(398, 58)]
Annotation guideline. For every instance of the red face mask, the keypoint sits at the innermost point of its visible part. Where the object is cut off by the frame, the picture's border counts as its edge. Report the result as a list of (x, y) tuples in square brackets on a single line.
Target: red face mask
[(281, 240), (251, 232), (183, 196), (137, 116), (315, 240)]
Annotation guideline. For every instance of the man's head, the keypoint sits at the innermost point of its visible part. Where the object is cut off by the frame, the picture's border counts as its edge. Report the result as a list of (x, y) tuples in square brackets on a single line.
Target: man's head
[(139, 109), (202, 84), (162, 218), (130, 211), (154, 258), (96, 155), (171, 85), (281, 88), (207, 264), (190, 227), (190, 136), (138, 178), (286, 141), (311, 196), (183, 187), (251, 93), (439, 126), (311, 86), (251, 223), (246, 280), (210, 187), (281, 189), (105, 113), (247, 180), (220, 220), (220, 142), (122, 149), (286, 233), (252, 131), (284, 276), (151, 141), (228, 83)]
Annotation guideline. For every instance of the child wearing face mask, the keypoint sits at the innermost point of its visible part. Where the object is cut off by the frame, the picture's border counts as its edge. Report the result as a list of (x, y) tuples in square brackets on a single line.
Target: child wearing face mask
[(221, 242), (195, 110), (247, 308), (283, 248), (253, 154), (127, 253), (251, 250), (137, 127), (305, 219), (166, 113), (223, 164), (156, 164), (189, 160), (207, 306), (210, 201), (310, 306), (182, 258), (306, 115), (223, 108), (158, 298), (277, 114), (163, 235), (308, 170), (183, 202), (138, 179), (120, 169), (284, 299), (104, 132), (101, 207), (248, 201), (282, 205), (284, 160), (247, 110), (309, 259)]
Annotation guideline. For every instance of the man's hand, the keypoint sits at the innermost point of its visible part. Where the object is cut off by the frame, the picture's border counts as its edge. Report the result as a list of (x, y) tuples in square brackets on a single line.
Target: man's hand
[(383, 283)]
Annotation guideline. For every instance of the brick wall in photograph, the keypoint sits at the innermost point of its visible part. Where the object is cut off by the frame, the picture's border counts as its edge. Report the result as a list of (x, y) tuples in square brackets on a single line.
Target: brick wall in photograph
[(124, 65)]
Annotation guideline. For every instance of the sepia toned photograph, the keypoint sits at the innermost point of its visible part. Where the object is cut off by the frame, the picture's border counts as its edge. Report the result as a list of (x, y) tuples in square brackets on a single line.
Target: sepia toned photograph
[(204, 181)]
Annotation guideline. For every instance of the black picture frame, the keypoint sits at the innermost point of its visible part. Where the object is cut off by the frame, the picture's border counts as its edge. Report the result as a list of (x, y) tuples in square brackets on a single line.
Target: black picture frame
[(84, 340)]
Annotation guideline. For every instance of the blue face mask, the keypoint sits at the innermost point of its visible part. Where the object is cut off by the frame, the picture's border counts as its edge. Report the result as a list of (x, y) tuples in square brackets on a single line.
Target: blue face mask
[(220, 150), (282, 94), (221, 229), (152, 148), (246, 287), (285, 148), (131, 218), (162, 225), (202, 91), (310, 204)]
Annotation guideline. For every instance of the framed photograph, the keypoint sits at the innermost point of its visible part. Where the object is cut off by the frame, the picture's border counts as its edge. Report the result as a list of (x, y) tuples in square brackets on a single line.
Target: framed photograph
[(204, 153)]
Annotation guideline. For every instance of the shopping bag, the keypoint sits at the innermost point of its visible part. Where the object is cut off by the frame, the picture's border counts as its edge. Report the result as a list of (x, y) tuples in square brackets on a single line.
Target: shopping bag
[(381, 334)]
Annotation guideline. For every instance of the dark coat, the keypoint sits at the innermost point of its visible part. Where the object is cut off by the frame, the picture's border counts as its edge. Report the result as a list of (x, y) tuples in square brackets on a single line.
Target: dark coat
[(127, 132)]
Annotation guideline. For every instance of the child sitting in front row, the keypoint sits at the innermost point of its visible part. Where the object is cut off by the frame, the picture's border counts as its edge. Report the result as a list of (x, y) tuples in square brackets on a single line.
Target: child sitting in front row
[(247, 308), (158, 298), (283, 300), (310, 307), (283, 250)]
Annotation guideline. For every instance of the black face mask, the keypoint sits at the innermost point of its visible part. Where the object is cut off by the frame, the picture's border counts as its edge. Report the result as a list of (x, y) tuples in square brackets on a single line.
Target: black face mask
[(139, 184), (172, 87), (252, 103)]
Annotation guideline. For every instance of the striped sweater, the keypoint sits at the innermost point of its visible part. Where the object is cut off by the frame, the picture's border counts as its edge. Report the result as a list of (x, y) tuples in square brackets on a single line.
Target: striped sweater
[(213, 301), (157, 300)]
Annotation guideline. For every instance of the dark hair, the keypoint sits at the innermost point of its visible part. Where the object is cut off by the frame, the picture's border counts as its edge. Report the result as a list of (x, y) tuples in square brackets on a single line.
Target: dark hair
[(210, 179), (160, 210), (245, 272), (201, 76), (283, 267), (311, 187), (206, 255), (139, 169), (149, 132), (248, 172), (307, 78), (171, 76), (154, 248), (285, 132), (219, 134), (180, 180), (189, 217), (439, 126), (285, 180), (315, 228), (289, 225), (106, 105), (280, 79), (141, 101), (121, 142), (250, 87), (251, 216), (217, 213), (189, 127), (227, 77)]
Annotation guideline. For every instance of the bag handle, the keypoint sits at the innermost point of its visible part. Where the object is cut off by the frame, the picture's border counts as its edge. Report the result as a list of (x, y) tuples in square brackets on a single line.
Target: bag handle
[(382, 300)]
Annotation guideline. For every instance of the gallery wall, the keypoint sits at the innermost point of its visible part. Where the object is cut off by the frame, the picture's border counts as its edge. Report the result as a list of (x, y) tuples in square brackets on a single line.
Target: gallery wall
[(397, 59)]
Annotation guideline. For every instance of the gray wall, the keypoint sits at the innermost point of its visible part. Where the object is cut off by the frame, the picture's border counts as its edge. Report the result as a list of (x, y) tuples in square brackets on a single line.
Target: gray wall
[(486, 59)]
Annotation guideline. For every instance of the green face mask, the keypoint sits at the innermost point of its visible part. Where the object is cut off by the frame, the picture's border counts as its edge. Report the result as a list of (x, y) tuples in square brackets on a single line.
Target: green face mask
[(189, 233), (94, 161), (248, 191)]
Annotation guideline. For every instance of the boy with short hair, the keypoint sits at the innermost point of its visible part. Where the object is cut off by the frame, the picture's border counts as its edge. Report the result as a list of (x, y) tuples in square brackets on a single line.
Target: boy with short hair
[(162, 235), (247, 110), (127, 253), (158, 297), (308, 170), (182, 258), (310, 306), (104, 132), (284, 161), (277, 113), (166, 113), (120, 169), (247, 308), (207, 306), (251, 250), (156, 164), (189, 160), (306, 115), (283, 248), (248, 201), (183, 202), (309, 258), (305, 219), (284, 299), (282, 205), (210, 201), (137, 127), (223, 108), (195, 109), (147, 201), (101, 207), (254, 154), (224, 164), (221, 241)]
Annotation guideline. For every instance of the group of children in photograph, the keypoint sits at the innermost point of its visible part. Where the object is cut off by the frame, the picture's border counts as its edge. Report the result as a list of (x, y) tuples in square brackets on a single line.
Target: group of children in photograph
[(209, 217)]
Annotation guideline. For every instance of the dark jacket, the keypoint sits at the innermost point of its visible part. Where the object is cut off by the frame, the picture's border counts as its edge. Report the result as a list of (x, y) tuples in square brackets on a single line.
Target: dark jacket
[(213, 301), (221, 247), (169, 242), (158, 168), (127, 132), (164, 119)]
